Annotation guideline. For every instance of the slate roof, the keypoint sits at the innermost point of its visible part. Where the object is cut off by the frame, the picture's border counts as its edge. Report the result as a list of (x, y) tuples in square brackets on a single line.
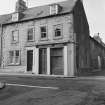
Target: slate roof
[(39, 12)]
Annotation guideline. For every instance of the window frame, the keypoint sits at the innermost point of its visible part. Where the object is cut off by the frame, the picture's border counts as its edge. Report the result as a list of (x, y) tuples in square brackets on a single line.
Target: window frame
[(61, 31), (45, 38), (14, 57), (13, 36), (53, 9), (33, 34)]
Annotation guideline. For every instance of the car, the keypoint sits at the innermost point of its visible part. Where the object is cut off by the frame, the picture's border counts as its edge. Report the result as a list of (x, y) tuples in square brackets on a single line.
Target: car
[(2, 84)]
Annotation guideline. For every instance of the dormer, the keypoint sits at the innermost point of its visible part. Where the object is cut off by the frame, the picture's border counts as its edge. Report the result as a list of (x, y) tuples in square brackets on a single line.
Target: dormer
[(20, 7), (16, 16), (55, 9)]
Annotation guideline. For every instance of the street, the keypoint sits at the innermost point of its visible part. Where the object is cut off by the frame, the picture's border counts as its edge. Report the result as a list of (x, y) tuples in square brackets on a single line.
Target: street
[(29, 90)]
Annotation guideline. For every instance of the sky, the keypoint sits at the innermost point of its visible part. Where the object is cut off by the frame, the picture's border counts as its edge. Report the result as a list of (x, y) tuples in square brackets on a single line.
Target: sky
[(95, 11)]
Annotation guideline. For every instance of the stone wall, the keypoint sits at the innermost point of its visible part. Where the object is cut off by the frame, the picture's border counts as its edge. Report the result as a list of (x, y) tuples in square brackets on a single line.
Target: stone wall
[(67, 29), (81, 29), (97, 51)]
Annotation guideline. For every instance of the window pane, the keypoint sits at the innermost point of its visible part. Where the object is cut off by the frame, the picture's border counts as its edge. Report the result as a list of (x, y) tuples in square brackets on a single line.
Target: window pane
[(43, 32), (43, 35), (17, 53), (58, 30), (15, 36), (30, 31), (11, 53), (17, 59), (30, 38), (30, 34), (16, 56), (11, 56), (43, 29)]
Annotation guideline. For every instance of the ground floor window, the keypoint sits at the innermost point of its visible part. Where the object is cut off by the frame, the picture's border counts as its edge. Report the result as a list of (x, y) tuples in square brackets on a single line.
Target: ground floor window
[(14, 57)]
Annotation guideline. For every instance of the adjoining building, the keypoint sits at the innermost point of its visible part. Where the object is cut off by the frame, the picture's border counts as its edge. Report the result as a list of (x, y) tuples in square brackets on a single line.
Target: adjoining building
[(97, 52), (46, 40)]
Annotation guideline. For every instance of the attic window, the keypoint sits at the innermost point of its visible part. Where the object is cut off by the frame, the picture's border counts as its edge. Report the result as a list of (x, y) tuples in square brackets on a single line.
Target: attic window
[(15, 16), (55, 9)]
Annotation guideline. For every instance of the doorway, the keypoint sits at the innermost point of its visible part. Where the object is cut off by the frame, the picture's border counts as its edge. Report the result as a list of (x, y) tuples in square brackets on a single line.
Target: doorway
[(42, 61), (57, 62), (29, 60)]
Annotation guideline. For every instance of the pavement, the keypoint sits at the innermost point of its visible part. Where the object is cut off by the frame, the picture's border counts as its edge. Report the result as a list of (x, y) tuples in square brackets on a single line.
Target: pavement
[(50, 76)]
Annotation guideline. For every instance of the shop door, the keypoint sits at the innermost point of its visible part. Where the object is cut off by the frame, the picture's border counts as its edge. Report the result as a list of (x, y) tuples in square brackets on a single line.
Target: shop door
[(29, 60), (57, 62), (43, 61)]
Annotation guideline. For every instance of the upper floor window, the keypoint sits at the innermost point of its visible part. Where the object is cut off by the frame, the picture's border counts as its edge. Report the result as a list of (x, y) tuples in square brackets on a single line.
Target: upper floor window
[(15, 36), (30, 36), (58, 30), (43, 30), (14, 57)]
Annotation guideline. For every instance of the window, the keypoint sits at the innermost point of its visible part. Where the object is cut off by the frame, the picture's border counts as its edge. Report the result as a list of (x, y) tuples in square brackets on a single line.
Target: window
[(43, 32), (14, 57), (55, 9), (15, 36), (30, 36), (15, 16), (58, 31)]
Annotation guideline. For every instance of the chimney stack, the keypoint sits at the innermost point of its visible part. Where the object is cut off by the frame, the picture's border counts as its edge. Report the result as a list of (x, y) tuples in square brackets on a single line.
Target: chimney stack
[(20, 6)]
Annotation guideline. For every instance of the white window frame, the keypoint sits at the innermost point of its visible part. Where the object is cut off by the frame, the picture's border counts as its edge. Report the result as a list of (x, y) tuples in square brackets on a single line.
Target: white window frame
[(28, 33), (45, 38), (61, 31), (15, 16), (14, 57), (53, 9), (15, 36)]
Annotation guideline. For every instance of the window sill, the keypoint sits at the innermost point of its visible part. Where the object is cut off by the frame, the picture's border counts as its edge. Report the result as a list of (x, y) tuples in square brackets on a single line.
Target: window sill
[(44, 39), (14, 42), (12, 64), (59, 37), (30, 40)]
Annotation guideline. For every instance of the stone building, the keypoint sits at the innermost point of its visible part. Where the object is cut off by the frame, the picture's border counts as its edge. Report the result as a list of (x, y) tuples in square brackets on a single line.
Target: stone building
[(46, 40), (97, 52)]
